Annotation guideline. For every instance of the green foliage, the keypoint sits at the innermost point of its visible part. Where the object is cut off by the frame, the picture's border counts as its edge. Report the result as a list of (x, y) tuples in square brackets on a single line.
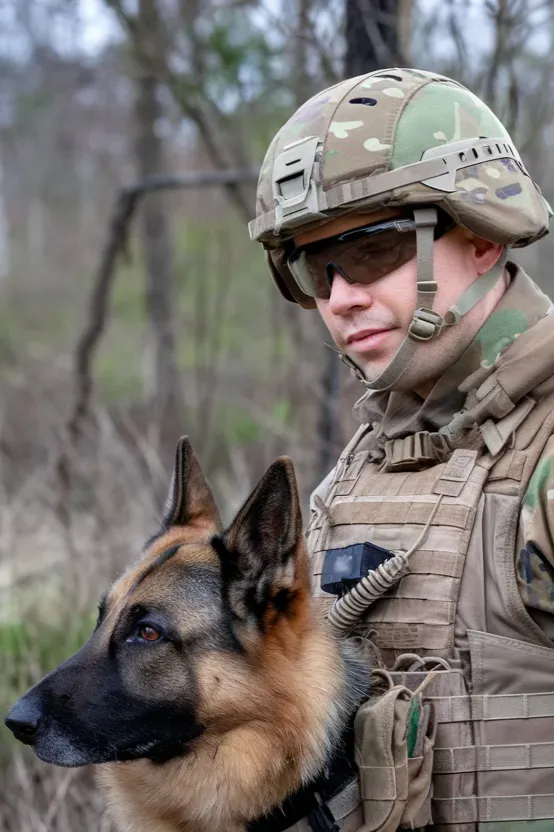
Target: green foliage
[(239, 58), (281, 412), (224, 303), (31, 648), (117, 372), (221, 283), (41, 327), (118, 365), (237, 425)]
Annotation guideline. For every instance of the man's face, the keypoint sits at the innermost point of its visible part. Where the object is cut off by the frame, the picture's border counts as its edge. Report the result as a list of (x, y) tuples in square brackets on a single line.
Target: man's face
[(369, 322)]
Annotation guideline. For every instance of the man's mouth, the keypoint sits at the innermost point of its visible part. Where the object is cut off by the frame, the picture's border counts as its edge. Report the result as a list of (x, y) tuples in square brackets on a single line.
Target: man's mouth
[(366, 339)]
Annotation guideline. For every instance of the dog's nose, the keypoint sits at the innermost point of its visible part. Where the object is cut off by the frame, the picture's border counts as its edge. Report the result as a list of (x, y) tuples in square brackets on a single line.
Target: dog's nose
[(23, 720)]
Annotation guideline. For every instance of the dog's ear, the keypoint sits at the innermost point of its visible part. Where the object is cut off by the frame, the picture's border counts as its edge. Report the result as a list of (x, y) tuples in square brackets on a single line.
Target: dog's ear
[(190, 499), (262, 556)]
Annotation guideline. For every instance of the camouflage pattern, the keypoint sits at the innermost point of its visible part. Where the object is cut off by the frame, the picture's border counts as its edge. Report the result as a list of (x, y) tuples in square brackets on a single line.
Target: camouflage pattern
[(386, 120), (399, 414), (535, 562)]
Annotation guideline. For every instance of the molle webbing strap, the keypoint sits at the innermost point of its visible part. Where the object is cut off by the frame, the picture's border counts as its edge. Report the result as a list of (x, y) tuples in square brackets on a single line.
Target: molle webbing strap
[(374, 185), (491, 707), (522, 807), (493, 757)]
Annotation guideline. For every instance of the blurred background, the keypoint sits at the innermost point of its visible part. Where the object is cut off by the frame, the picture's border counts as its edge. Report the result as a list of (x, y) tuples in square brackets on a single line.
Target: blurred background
[(133, 307)]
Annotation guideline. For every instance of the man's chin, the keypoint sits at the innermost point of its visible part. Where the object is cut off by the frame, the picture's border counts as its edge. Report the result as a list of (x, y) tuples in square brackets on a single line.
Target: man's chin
[(370, 368)]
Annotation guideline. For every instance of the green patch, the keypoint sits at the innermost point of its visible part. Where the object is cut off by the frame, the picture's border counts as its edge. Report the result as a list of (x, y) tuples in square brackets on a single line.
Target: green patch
[(498, 332), (538, 485), (440, 113), (231, 328), (413, 722)]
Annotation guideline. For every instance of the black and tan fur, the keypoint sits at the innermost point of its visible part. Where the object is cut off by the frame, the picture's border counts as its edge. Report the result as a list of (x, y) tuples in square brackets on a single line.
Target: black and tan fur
[(244, 695)]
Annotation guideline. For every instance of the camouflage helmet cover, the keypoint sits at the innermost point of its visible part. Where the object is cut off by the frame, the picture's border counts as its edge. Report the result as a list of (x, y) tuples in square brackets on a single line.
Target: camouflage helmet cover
[(395, 137)]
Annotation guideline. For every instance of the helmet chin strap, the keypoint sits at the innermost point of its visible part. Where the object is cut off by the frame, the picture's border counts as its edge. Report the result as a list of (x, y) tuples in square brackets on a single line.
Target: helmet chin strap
[(427, 324)]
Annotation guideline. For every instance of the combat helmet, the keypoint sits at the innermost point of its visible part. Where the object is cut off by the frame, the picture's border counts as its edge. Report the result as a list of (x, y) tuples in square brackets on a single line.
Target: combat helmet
[(394, 138)]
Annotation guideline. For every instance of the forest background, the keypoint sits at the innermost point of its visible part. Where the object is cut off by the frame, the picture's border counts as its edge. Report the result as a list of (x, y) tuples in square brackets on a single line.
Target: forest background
[(133, 307)]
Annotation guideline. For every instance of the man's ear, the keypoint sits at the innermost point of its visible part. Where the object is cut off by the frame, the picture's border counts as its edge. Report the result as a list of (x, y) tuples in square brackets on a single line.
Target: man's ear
[(263, 560), (485, 253), (190, 499)]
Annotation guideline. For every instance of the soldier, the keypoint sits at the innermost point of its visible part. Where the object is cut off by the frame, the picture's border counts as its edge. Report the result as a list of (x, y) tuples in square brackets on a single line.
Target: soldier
[(390, 203)]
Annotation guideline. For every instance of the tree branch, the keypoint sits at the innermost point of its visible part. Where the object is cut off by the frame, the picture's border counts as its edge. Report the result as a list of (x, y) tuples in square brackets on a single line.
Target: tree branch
[(192, 101), (116, 243)]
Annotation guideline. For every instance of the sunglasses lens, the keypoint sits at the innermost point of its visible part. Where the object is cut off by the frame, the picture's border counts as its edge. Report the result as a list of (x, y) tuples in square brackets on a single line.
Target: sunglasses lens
[(314, 281), (364, 259)]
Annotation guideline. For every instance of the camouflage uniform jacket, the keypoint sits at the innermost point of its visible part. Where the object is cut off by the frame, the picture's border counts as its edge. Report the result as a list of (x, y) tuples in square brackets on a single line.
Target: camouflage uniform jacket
[(395, 415)]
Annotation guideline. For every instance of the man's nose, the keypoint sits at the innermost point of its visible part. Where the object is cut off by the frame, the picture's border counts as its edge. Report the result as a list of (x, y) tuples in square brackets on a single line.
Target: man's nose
[(347, 296)]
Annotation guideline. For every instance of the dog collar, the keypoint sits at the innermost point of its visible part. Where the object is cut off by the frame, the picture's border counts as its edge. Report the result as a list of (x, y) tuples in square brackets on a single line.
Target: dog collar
[(322, 802)]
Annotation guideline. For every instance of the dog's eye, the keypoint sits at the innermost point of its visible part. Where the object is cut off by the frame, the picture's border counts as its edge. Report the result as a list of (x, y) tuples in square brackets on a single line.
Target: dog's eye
[(147, 632)]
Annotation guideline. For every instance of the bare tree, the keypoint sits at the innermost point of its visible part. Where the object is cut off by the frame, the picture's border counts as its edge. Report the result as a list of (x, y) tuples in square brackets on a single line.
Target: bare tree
[(372, 40), (302, 82), (373, 32), (156, 55), (167, 405)]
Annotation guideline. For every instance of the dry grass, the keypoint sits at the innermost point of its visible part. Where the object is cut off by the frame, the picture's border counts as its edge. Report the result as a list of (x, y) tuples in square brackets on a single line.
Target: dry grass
[(51, 573), (35, 797)]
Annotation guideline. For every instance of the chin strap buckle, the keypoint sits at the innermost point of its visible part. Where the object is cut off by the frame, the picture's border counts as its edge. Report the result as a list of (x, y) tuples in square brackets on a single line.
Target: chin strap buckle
[(426, 324)]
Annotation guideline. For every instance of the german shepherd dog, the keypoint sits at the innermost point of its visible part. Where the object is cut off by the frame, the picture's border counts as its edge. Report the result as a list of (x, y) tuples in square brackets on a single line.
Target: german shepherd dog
[(211, 689)]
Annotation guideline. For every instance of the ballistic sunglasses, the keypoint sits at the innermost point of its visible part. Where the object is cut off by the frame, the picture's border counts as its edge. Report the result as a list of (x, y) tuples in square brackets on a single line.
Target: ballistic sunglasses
[(361, 255)]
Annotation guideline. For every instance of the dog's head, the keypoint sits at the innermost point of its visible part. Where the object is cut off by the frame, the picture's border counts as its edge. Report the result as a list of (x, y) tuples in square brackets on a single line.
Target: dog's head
[(193, 638)]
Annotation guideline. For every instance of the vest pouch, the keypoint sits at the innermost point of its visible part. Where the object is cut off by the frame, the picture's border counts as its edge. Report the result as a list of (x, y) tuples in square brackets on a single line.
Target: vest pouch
[(421, 743), (394, 740)]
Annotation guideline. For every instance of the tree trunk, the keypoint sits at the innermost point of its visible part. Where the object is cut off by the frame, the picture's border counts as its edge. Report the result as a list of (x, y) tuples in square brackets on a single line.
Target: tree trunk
[(301, 77), (166, 413), (372, 42), (371, 35)]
